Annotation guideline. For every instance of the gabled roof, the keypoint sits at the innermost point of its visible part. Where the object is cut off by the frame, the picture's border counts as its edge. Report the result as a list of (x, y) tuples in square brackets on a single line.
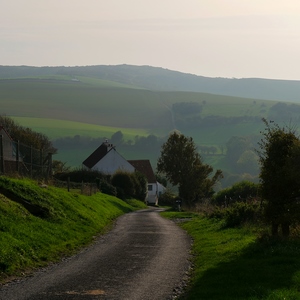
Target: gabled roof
[(144, 167), (97, 155)]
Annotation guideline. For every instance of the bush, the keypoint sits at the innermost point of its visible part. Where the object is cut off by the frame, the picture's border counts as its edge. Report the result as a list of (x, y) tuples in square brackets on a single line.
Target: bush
[(237, 214), (80, 175), (124, 184), (167, 198), (107, 188), (241, 191), (140, 185)]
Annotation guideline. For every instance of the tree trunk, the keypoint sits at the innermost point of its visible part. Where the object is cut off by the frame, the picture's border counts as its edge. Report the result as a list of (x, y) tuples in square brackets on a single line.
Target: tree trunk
[(275, 229), (285, 228)]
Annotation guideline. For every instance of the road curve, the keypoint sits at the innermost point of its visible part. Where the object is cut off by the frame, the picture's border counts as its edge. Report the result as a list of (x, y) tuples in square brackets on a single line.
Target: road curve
[(144, 257)]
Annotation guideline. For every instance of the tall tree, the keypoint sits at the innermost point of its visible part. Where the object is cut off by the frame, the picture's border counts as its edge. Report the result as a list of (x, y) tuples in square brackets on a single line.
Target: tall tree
[(182, 165), (279, 156)]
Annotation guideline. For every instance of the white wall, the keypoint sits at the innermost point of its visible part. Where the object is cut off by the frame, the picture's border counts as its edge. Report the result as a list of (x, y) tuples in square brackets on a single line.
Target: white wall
[(113, 162)]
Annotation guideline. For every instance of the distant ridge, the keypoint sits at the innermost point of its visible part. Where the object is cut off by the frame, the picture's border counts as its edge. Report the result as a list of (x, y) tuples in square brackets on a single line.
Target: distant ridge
[(155, 78)]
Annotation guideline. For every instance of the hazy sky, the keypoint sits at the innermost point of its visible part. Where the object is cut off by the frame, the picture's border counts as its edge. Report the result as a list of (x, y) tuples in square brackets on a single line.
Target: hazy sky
[(215, 38)]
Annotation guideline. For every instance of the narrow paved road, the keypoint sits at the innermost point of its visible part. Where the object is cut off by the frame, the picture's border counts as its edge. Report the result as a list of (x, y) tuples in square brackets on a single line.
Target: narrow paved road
[(143, 257)]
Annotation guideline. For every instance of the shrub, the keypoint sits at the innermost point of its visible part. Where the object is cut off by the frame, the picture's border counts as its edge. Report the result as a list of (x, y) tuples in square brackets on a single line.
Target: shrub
[(140, 185), (241, 191), (167, 198), (124, 184), (80, 175), (107, 188), (238, 214)]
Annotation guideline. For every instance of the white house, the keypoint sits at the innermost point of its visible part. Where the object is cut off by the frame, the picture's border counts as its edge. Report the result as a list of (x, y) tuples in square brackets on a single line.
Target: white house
[(107, 160)]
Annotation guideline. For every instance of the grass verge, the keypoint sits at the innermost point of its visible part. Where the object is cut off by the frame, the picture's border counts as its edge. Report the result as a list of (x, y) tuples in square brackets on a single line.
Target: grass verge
[(42, 225), (235, 263)]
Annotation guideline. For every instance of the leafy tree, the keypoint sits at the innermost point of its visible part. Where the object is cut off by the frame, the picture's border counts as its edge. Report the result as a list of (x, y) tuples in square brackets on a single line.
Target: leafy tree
[(117, 138), (182, 165), (279, 158)]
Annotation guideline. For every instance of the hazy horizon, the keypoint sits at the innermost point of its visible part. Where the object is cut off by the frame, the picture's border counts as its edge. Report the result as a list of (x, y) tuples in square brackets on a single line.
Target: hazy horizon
[(232, 39)]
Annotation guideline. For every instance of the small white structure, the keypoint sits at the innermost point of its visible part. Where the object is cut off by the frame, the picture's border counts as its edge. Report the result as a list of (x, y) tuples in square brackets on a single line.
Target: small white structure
[(107, 160)]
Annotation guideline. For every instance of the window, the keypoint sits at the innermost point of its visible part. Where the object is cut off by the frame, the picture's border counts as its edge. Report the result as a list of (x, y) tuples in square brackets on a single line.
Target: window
[(150, 187)]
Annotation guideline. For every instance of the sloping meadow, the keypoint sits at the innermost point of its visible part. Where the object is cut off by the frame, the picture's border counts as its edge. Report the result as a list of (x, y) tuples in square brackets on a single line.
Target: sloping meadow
[(39, 225)]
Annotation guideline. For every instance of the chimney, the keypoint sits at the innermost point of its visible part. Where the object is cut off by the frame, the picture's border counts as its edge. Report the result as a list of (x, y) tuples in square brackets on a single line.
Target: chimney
[(108, 145)]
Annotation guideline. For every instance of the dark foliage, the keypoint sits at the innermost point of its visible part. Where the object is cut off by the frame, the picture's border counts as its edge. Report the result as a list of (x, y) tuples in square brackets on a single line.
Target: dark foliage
[(80, 175), (239, 192), (238, 214)]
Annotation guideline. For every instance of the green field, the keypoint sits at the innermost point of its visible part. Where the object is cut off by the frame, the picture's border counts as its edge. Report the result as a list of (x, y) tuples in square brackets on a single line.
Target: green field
[(113, 106), (61, 128), (67, 106)]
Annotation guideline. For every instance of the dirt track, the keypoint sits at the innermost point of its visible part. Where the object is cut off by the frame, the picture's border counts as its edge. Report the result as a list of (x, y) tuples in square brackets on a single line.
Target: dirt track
[(143, 257)]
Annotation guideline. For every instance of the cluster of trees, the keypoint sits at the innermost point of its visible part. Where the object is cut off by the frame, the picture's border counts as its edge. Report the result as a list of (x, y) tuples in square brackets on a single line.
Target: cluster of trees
[(278, 190), (26, 135), (284, 112), (150, 143), (195, 121)]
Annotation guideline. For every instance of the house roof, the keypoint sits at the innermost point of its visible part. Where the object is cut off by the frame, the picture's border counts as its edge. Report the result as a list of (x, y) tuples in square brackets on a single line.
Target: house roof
[(97, 155), (144, 166)]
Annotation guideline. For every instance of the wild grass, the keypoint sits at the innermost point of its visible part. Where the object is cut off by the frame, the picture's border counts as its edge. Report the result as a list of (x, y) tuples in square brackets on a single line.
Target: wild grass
[(240, 263), (31, 239)]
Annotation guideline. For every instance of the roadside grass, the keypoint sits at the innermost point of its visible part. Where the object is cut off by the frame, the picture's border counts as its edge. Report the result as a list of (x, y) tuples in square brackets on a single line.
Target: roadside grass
[(54, 224), (239, 263)]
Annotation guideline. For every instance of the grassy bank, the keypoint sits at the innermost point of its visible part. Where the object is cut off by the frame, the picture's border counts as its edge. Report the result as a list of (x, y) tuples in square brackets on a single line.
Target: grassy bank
[(39, 225), (237, 263)]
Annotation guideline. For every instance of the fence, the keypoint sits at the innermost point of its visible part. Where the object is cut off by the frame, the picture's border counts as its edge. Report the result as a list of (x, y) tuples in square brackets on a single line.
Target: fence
[(85, 188), (16, 157)]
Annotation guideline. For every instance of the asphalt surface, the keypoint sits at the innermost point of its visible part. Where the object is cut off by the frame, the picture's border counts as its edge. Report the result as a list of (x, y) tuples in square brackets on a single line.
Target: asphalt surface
[(144, 257)]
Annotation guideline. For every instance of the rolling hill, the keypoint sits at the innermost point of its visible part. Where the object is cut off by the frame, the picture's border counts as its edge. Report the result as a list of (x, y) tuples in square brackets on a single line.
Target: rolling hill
[(77, 107), (154, 78)]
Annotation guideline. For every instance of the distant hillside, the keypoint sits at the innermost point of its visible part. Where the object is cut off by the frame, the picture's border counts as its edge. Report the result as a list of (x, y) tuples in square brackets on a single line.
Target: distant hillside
[(160, 79), (79, 112)]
